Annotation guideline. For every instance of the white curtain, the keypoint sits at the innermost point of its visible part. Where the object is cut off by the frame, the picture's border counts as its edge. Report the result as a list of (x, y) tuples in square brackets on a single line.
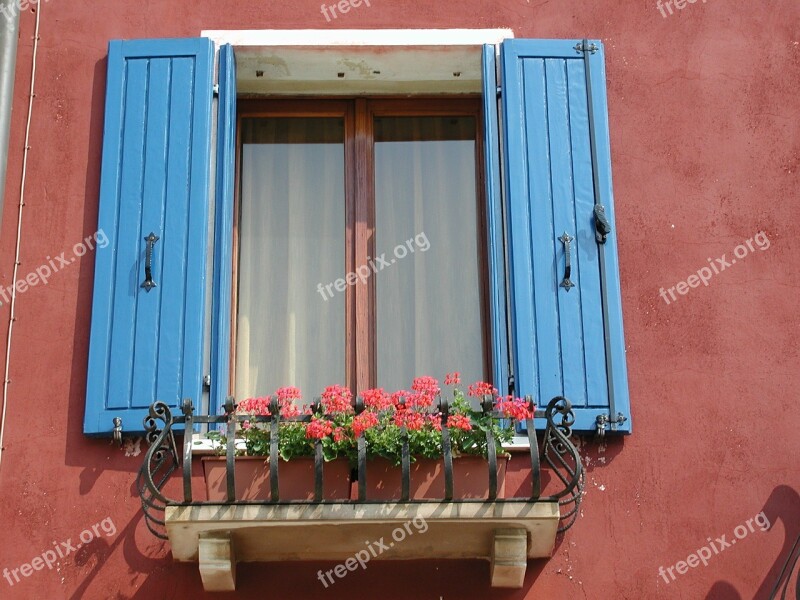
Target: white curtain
[(428, 302), (291, 233)]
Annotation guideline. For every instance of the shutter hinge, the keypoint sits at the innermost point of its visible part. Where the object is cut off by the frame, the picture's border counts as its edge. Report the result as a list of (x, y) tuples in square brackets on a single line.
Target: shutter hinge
[(582, 47), (206, 382), (499, 91), (117, 432), (604, 421), (511, 385), (215, 89)]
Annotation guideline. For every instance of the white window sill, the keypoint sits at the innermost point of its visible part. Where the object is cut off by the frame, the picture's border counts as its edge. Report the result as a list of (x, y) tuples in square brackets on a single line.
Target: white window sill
[(202, 446)]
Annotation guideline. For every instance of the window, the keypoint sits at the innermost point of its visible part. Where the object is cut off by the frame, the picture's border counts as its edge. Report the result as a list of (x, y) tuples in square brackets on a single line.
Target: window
[(339, 280), (364, 176)]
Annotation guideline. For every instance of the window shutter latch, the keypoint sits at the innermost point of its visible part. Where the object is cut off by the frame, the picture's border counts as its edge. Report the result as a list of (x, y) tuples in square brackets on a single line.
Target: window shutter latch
[(603, 421), (585, 46), (207, 382), (117, 431), (602, 226), (215, 89)]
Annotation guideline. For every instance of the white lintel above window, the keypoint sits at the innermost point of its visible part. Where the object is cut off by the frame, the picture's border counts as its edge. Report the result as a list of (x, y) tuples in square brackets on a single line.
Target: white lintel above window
[(355, 61)]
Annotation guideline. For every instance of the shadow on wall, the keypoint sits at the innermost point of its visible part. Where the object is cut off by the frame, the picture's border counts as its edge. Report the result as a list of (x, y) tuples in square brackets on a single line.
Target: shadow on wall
[(596, 452), (782, 505), (100, 550), (78, 449)]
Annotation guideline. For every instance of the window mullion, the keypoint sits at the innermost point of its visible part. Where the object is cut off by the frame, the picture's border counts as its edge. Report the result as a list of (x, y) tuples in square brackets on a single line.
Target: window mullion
[(364, 230), (351, 160)]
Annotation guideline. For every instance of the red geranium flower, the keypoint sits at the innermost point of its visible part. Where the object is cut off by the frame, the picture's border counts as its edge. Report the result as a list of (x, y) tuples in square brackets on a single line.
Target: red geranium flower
[(399, 395), (363, 422), (411, 420), (514, 408), (288, 394), (426, 385), (339, 434), (377, 399), (435, 421), (453, 378), (420, 400), (479, 389), (254, 406), (289, 409), (317, 429), (459, 422), (337, 399)]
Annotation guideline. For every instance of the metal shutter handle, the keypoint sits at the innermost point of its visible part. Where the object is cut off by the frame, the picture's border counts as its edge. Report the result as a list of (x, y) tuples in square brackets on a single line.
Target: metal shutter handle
[(566, 283), (151, 240)]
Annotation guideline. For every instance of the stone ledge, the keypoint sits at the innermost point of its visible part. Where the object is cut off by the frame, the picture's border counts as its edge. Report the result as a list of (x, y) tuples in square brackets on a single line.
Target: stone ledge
[(505, 533)]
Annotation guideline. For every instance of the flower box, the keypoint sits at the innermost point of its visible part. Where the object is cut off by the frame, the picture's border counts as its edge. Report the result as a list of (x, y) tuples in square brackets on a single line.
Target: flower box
[(470, 479), (386, 427), (296, 479)]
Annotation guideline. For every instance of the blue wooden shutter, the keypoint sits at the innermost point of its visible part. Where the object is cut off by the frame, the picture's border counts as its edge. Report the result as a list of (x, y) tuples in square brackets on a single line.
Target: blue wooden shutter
[(494, 222), (148, 345), (223, 229), (566, 341)]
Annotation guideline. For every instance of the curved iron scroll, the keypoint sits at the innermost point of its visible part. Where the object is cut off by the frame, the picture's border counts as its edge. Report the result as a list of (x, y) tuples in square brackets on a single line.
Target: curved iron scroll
[(160, 461), (563, 458)]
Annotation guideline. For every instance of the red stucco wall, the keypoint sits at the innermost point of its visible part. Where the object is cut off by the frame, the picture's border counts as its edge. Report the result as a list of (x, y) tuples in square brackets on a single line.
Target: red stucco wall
[(704, 113)]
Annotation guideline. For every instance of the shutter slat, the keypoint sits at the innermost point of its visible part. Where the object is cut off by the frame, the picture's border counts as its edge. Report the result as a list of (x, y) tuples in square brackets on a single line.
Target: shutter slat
[(179, 199), (128, 229)]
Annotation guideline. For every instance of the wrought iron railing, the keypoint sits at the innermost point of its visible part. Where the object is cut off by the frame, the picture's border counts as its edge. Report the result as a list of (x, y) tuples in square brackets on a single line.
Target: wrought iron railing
[(162, 459)]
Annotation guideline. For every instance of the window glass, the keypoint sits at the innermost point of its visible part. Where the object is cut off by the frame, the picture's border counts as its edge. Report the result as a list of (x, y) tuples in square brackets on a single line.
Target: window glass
[(291, 235), (428, 305)]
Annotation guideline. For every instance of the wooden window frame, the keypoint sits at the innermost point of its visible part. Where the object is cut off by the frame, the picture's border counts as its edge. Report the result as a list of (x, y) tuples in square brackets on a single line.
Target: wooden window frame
[(361, 298)]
